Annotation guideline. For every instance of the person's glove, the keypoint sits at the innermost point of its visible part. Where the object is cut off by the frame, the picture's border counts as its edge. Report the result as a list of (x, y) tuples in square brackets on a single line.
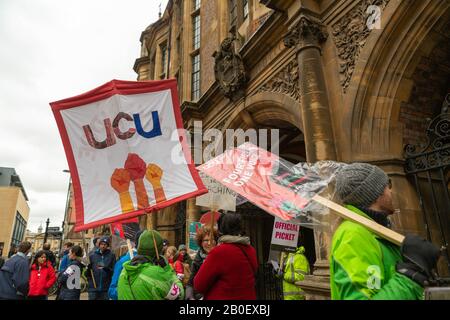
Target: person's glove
[(419, 259)]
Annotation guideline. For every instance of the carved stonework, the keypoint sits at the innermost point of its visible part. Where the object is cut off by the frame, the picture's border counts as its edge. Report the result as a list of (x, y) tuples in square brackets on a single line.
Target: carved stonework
[(229, 70), (350, 35), (286, 81), (306, 31)]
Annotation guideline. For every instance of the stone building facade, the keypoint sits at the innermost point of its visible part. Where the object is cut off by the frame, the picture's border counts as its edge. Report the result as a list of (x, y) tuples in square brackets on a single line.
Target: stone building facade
[(14, 210), (344, 80)]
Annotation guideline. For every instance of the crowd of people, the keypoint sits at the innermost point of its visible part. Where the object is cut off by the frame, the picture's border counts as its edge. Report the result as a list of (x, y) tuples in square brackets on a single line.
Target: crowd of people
[(152, 270), (362, 264)]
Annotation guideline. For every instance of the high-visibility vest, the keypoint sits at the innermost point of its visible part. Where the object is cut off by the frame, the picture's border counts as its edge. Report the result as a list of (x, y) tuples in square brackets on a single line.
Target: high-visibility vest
[(295, 269)]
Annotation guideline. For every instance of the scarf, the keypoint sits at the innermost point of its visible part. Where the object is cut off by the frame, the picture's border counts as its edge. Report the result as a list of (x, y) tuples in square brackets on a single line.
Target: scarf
[(379, 217), (234, 239)]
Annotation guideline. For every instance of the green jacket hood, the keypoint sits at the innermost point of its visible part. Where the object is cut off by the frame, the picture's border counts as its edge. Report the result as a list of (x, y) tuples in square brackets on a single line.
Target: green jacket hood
[(300, 250), (133, 270)]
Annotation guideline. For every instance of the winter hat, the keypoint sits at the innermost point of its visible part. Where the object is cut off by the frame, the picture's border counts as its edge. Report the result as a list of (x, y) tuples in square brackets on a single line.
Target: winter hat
[(146, 245), (360, 184), (136, 238), (105, 240), (181, 247)]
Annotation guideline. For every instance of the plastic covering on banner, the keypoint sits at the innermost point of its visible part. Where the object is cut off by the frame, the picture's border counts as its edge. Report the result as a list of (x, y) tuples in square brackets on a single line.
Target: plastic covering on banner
[(120, 232), (320, 180), (275, 185)]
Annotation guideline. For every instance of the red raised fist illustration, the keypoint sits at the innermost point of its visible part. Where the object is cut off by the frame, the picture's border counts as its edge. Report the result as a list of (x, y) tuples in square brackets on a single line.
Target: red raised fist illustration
[(135, 166), (120, 180)]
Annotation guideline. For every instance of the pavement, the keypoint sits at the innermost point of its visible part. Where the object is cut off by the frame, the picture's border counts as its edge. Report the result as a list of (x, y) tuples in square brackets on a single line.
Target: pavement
[(83, 296)]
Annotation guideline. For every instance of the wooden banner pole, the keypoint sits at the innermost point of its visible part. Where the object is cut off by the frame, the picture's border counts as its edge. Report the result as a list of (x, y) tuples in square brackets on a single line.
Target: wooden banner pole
[(376, 228)]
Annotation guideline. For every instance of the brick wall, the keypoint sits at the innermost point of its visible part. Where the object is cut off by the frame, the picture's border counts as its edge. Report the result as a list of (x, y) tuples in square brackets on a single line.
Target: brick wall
[(431, 84)]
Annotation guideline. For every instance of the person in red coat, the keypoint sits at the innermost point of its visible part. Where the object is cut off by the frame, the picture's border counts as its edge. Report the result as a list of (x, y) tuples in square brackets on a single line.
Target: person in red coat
[(171, 255), (229, 270), (42, 277)]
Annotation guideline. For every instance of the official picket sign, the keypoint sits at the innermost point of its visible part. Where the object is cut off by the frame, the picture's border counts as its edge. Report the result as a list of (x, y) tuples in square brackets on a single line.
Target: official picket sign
[(284, 235), (125, 151)]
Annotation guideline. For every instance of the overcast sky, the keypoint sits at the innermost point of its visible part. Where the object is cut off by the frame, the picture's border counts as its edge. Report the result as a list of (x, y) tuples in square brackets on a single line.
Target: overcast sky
[(51, 50)]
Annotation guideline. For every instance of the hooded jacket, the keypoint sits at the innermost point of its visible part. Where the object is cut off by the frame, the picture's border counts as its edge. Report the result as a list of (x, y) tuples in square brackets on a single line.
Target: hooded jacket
[(64, 261), (112, 291), (142, 280), (41, 279), (362, 266), (296, 266), (14, 277), (228, 272), (67, 289)]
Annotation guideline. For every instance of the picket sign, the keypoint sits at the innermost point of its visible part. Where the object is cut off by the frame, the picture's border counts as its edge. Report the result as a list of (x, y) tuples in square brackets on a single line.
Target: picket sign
[(376, 228), (130, 249)]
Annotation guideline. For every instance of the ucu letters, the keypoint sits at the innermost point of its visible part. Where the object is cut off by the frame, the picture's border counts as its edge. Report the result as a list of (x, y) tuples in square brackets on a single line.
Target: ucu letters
[(114, 131)]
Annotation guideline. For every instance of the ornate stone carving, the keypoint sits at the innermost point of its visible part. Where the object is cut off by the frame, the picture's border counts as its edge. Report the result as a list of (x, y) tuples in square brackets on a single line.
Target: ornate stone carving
[(306, 31), (350, 35), (229, 70), (286, 81)]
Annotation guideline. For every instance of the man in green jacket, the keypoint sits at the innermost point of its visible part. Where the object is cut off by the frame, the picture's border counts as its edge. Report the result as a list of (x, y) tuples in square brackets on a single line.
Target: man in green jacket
[(296, 266), (147, 278), (362, 264)]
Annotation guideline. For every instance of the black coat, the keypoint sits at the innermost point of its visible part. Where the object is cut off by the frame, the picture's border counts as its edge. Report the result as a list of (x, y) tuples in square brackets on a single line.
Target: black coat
[(196, 264), (66, 288), (50, 257), (101, 265)]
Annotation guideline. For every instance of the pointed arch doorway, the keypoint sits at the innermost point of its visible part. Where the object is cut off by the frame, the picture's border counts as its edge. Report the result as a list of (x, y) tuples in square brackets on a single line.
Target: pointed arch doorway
[(258, 224)]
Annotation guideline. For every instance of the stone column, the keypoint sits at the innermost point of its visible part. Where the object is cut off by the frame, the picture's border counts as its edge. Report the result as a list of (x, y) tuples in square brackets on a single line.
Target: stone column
[(306, 35)]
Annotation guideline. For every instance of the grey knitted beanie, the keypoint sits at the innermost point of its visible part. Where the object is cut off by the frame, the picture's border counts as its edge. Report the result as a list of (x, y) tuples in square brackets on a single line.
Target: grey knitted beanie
[(360, 184)]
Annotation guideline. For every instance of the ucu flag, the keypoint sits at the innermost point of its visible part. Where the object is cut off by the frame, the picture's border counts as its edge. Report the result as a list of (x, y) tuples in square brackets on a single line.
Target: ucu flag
[(119, 140), (113, 131)]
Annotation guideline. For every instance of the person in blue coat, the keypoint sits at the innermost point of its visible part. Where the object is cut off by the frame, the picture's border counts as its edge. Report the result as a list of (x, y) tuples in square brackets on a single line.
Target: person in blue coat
[(14, 275), (100, 271), (65, 261), (112, 292)]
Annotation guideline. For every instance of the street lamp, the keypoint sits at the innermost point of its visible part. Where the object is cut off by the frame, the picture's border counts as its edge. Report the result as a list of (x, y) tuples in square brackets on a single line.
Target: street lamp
[(65, 212), (46, 230)]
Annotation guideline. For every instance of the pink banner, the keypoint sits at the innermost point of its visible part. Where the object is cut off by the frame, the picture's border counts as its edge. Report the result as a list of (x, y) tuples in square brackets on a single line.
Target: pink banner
[(261, 177)]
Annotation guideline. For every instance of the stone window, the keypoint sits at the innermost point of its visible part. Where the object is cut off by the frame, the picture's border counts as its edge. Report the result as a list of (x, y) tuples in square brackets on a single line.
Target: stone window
[(245, 8), (163, 49), (195, 77), (238, 10), (196, 31), (197, 4)]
